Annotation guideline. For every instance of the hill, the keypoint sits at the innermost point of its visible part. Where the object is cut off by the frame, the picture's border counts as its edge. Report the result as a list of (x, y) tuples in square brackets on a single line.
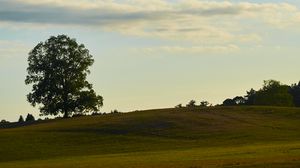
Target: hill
[(181, 137)]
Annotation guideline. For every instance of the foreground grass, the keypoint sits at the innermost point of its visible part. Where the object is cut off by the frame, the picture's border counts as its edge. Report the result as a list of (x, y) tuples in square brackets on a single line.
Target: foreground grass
[(274, 155), (192, 138)]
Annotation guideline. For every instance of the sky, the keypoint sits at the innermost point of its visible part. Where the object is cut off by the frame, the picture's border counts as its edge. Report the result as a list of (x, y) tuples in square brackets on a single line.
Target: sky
[(155, 53)]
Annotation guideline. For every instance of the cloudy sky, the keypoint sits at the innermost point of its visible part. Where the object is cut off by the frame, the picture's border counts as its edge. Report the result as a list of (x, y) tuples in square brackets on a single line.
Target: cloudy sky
[(155, 53)]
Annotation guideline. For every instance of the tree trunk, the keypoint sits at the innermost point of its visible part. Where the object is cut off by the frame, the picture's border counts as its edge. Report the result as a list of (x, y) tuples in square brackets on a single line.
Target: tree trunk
[(66, 115)]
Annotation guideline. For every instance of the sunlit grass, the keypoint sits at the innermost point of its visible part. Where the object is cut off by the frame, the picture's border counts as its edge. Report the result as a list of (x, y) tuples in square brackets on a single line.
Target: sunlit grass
[(197, 137)]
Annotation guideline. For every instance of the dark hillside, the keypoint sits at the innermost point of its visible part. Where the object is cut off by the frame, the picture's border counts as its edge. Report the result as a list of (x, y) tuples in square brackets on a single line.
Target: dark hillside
[(151, 130)]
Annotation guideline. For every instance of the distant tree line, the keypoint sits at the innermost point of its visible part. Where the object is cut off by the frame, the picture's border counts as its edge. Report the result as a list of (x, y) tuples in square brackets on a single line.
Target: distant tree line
[(193, 103), (30, 119), (21, 121), (4, 122), (273, 93)]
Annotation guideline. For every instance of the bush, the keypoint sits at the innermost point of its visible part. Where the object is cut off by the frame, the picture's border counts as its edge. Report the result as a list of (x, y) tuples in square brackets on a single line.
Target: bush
[(204, 104), (29, 118), (192, 103), (229, 102), (4, 122), (96, 113), (295, 92), (21, 119), (115, 112), (274, 93), (178, 106)]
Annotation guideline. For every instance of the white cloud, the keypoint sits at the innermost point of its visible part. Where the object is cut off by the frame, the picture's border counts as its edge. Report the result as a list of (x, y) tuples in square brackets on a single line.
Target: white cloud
[(188, 50), (193, 21)]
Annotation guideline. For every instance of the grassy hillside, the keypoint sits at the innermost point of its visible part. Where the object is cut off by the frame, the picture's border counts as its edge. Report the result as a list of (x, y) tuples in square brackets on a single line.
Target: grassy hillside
[(186, 137)]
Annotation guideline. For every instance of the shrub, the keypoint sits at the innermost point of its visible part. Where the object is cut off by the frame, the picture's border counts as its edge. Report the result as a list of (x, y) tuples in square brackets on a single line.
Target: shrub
[(178, 106), (29, 118), (192, 103), (21, 119)]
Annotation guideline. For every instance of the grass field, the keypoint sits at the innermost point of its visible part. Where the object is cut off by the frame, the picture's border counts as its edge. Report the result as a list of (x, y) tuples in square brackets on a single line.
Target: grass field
[(179, 138)]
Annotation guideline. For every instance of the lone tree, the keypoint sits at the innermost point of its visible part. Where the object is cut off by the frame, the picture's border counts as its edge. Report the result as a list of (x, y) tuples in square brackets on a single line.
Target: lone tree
[(57, 69)]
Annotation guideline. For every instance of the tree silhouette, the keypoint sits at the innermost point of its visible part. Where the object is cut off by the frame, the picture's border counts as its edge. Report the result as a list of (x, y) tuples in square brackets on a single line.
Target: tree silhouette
[(295, 92), (4, 122), (274, 93), (239, 100), (178, 106), (58, 68), (250, 97), (192, 103), (29, 118), (204, 103), (21, 119), (229, 102)]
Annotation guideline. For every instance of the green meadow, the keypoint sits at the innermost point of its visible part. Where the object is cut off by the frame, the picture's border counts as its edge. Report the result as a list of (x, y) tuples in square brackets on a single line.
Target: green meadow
[(176, 138)]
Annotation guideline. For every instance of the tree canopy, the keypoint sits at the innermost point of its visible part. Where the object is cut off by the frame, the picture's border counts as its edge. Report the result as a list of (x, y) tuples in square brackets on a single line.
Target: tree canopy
[(21, 119), (191, 103), (295, 92), (204, 103), (272, 93), (57, 69), (229, 102), (29, 118)]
